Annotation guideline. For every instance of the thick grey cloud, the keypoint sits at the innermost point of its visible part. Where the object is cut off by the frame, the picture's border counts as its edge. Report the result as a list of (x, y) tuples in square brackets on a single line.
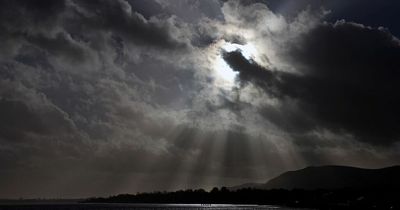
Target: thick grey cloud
[(103, 97), (347, 80), (119, 17)]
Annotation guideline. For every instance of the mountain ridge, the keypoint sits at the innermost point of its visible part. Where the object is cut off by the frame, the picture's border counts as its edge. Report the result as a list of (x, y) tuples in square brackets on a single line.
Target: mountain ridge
[(331, 177)]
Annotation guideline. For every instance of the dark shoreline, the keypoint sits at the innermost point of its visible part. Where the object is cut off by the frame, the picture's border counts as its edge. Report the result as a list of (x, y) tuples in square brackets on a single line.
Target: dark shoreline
[(342, 199), (125, 206), (297, 198)]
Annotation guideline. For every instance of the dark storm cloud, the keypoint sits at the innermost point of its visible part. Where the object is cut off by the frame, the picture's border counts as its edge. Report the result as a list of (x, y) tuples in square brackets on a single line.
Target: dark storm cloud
[(19, 120), (372, 13), (37, 12), (59, 45), (121, 18), (104, 97), (249, 70), (38, 20), (19, 18), (348, 80), (65, 95)]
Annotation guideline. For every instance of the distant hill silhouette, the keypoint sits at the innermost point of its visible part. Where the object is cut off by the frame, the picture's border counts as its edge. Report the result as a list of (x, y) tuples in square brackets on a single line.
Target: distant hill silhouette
[(332, 177)]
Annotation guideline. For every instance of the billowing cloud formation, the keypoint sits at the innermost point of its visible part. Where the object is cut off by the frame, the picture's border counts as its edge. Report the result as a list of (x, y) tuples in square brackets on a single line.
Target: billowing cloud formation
[(103, 97), (346, 80)]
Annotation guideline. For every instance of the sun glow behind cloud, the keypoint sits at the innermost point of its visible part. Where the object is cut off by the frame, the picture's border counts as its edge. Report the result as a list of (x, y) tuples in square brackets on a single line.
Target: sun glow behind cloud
[(225, 75)]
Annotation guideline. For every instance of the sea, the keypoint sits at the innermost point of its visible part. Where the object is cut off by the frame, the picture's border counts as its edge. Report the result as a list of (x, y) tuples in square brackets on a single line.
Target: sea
[(101, 206)]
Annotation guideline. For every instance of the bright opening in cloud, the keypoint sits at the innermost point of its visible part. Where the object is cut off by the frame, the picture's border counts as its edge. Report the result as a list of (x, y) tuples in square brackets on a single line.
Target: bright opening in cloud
[(225, 74)]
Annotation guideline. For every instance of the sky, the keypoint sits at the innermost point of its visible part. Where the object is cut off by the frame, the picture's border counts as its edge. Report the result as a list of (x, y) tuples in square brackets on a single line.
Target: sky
[(101, 97)]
